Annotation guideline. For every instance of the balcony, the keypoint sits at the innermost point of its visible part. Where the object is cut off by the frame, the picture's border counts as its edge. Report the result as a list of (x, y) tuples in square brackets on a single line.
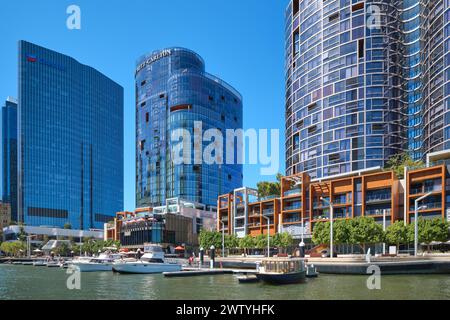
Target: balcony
[(254, 225), (292, 218), (292, 207), (429, 206), (377, 212), (268, 212), (425, 188), (378, 197), (292, 192), (343, 199)]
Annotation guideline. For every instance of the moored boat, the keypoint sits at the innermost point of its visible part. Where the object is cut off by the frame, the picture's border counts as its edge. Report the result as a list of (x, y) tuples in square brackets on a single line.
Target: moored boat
[(282, 271), (103, 262), (151, 262), (247, 278)]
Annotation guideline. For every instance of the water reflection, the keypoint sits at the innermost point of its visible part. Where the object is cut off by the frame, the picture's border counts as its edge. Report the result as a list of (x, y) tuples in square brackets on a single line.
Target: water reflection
[(28, 282)]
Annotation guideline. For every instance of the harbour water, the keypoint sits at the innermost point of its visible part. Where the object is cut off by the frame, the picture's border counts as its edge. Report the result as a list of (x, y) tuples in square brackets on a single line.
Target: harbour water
[(28, 282)]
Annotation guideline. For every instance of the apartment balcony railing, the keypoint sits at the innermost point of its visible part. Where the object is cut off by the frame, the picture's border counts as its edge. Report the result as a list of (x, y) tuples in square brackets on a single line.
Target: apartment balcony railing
[(268, 212), (377, 212), (269, 198), (254, 224), (293, 218), (327, 216), (378, 197), (342, 200), (431, 205), (292, 207), (291, 192), (425, 189)]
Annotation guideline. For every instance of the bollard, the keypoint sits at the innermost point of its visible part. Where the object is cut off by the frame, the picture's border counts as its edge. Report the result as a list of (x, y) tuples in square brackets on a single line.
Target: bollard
[(202, 257), (212, 257), (302, 249)]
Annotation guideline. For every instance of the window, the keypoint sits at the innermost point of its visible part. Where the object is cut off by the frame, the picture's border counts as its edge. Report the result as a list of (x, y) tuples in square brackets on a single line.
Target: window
[(361, 48), (181, 107), (296, 39), (333, 17), (358, 6), (147, 117), (143, 83), (143, 104)]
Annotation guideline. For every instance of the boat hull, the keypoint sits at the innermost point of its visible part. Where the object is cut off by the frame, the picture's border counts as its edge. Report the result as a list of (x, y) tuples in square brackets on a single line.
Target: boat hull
[(92, 267), (145, 268), (284, 278)]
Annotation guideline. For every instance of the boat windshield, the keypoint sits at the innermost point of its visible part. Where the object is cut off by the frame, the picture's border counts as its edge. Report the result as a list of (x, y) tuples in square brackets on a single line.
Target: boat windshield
[(152, 249), (283, 266)]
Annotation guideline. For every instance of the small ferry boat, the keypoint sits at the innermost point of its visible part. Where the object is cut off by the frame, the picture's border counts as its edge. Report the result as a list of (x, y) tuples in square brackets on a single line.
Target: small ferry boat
[(40, 263), (151, 262), (282, 271)]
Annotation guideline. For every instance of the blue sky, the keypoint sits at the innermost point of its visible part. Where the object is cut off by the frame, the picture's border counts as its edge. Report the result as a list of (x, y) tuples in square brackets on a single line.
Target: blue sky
[(241, 41)]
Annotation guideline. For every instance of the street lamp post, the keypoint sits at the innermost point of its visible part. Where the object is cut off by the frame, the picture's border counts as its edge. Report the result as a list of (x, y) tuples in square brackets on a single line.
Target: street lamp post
[(416, 223), (384, 230), (268, 235), (331, 225), (223, 239)]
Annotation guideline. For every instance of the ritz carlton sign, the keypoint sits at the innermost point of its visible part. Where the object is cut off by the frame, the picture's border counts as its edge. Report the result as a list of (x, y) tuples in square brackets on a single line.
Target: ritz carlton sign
[(154, 58)]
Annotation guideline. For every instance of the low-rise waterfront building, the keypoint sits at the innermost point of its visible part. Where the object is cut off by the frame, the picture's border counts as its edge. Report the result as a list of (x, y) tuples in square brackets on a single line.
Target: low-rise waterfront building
[(179, 222), (5, 215), (371, 192), (41, 234)]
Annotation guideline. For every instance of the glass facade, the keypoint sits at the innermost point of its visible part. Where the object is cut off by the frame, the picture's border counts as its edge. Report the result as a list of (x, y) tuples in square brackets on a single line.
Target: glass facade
[(365, 80), (172, 92), (9, 155), (70, 153), (436, 82)]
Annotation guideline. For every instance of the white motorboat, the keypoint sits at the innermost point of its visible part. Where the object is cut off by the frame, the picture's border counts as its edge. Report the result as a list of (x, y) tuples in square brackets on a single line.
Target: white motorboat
[(151, 262), (103, 262)]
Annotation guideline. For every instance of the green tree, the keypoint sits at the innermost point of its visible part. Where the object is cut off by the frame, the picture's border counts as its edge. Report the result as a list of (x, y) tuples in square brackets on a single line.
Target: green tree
[(63, 250), (321, 233), (22, 236), (364, 230), (267, 189), (15, 248), (67, 226), (398, 162), (283, 240), (210, 238), (248, 242), (397, 234), (428, 231), (231, 242), (341, 232)]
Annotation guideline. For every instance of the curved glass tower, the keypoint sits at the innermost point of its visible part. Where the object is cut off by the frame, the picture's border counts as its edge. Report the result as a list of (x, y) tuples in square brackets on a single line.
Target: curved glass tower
[(344, 109), (174, 92), (436, 93)]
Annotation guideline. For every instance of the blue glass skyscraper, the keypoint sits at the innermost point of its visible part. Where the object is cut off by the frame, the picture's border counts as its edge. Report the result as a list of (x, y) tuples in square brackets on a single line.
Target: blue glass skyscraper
[(9, 155), (172, 92), (70, 141)]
